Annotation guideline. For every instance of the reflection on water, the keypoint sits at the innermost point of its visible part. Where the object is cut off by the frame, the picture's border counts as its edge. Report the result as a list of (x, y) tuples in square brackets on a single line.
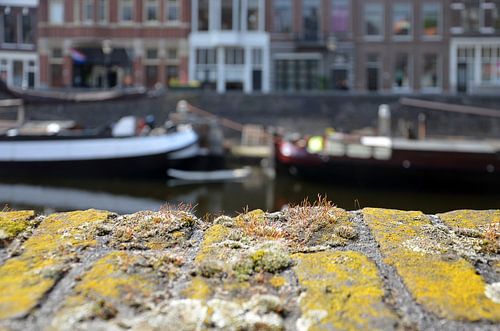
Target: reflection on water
[(231, 197)]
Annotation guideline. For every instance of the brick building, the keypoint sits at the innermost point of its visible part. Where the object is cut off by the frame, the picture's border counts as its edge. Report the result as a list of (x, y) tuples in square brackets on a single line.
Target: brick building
[(106, 43), (402, 46), (18, 35), (387, 46), (372, 45)]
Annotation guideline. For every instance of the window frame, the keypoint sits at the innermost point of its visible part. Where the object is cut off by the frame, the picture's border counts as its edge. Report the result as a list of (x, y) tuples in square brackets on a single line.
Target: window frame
[(146, 4), (166, 11), (484, 6), (439, 72), (49, 18), (104, 20), (349, 18), (409, 63), (378, 37), (274, 6), (404, 37), (440, 29), (85, 19), (120, 12)]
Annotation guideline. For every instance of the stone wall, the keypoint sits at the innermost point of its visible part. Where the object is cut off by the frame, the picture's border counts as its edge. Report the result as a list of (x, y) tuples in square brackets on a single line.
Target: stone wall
[(306, 113), (304, 268)]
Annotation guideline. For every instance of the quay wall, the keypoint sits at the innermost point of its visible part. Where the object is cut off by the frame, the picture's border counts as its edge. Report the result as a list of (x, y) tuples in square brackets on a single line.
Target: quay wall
[(305, 113), (303, 268)]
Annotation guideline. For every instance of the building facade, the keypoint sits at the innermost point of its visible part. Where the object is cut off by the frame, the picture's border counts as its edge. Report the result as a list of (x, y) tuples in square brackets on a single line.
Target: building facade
[(311, 44), (383, 46), (228, 46), (18, 39), (360, 45), (475, 46), (107, 43), (402, 46)]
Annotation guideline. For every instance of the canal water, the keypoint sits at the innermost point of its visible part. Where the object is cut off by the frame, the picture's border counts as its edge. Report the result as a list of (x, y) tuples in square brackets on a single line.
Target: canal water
[(258, 191)]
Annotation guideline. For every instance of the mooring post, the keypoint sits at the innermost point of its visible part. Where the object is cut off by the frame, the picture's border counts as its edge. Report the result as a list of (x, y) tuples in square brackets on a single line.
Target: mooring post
[(384, 120)]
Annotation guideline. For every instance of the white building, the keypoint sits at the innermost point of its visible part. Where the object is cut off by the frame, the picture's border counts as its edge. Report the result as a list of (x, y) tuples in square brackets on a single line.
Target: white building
[(475, 47), (228, 45), (18, 56), (475, 65)]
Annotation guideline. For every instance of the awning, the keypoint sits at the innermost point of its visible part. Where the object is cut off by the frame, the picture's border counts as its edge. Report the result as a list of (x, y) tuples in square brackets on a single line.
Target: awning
[(94, 56)]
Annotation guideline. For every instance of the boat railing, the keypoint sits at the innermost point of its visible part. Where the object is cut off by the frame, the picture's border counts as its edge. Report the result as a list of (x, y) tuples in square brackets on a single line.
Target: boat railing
[(379, 148)]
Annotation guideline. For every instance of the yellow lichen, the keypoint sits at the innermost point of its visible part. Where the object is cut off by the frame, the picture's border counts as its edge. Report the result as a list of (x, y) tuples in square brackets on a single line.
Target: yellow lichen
[(14, 222), (470, 219), (198, 289), (213, 235), (277, 281), (107, 279), (24, 280), (449, 288), (343, 291)]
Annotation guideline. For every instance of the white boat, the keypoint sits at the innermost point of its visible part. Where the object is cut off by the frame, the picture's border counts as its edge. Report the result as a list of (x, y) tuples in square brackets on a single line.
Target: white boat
[(120, 153)]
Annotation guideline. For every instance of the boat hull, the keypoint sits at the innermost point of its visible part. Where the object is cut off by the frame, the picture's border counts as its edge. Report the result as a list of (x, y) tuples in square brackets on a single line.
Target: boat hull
[(422, 169), (145, 157)]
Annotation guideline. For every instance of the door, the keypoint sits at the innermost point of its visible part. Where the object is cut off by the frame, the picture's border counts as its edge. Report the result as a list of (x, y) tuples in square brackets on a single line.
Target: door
[(372, 79), (257, 80), (339, 79), (462, 77)]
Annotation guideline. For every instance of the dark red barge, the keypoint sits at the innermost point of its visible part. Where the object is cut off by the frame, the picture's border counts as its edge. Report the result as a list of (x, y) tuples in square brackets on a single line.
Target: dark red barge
[(388, 161)]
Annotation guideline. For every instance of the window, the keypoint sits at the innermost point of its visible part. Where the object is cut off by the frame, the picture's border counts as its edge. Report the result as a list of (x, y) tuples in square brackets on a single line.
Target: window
[(257, 57), (57, 53), (340, 16), (152, 54), (401, 20), (76, 11), (465, 16), (9, 28), (56, 75), (372, 71), (172, 75), (431, 13), (470, 16), (227, 14), (151, 75), (235, 55), (173, 9), (151, 10), (456, 17), (282, 16), (206, 56), (172, 54), (296, 75), (374, 20), (126, 11), (3, 70), (27, 26), (17, 73), (253, 15), (430, 76), (490, 65), (401, 72), (203, 15), (56, 12), (491, 16), (102, 11), (311, 19), (88, 11)]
